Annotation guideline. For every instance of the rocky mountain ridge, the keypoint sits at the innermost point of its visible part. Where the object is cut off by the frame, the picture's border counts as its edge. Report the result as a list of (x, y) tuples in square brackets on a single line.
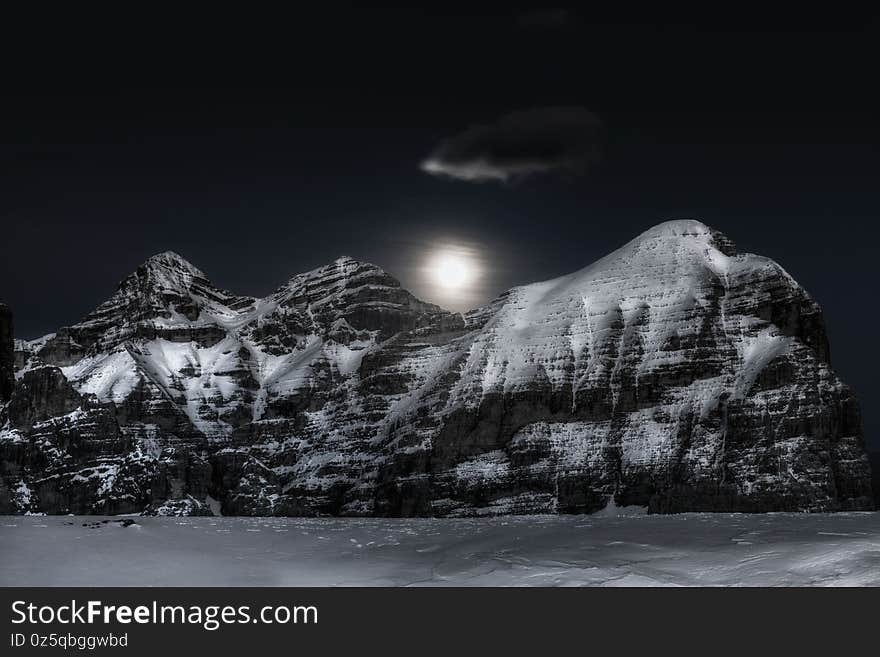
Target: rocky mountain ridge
[(673, 374)]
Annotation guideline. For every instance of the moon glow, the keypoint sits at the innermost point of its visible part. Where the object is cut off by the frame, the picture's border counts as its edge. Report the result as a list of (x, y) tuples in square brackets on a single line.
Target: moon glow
[(452, 275), (452, 270)]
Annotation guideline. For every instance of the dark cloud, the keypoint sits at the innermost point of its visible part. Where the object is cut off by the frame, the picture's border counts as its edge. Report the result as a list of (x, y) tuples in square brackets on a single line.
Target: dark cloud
[(550, 139)]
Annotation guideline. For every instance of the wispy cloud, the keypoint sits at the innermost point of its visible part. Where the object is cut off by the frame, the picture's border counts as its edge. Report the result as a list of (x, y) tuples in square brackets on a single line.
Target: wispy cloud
[(551, 139)]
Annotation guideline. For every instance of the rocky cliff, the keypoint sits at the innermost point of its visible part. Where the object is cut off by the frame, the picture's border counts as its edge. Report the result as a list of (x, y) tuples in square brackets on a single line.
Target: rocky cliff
[(7, 363), (673, 374)]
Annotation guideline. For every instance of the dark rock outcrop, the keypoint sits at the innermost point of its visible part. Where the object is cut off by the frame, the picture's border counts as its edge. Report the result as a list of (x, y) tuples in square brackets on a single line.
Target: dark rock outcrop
[(7, 354), (41, 394), (673, 374)]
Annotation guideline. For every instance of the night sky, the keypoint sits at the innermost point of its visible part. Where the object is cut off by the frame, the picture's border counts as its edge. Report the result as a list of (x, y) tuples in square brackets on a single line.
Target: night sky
[(262, 148)]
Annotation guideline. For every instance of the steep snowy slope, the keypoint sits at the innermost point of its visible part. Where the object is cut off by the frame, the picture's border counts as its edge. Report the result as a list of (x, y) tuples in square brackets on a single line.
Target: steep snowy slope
[(672, 374)]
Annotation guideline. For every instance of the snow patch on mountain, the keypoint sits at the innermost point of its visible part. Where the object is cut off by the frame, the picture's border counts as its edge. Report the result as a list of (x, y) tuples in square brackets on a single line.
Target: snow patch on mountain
[(112, 377)]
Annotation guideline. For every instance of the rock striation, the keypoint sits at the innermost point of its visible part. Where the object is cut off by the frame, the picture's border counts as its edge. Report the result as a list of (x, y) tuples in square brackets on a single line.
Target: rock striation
[(673, 374)]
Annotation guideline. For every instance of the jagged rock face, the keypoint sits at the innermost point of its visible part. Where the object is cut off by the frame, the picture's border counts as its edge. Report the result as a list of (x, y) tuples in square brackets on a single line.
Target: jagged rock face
[(672, 374), (64, 452), (42, 394), (7, 354)]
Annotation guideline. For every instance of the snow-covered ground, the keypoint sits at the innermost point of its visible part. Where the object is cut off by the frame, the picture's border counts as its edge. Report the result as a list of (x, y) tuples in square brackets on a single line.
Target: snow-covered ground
[(607, 550)]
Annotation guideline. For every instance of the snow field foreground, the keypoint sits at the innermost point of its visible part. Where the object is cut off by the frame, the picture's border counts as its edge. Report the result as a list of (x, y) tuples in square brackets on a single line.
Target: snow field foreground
[(599, 550)]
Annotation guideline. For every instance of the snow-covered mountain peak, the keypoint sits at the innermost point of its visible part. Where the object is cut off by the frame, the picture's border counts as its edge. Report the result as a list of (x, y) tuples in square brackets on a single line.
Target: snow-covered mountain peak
[(343, 276), (689, 230), (171, 261), (165, 271), (341, 269), (674, 254), (679, 228), (348, 261), (345, 300), (672, 244), (170, 258)]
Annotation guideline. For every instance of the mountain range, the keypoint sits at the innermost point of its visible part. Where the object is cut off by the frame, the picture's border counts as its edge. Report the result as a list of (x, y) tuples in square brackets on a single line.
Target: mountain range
[(674, 374)]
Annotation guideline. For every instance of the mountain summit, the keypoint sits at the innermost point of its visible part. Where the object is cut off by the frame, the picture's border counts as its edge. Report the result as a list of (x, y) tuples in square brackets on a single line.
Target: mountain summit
[(674, 374)]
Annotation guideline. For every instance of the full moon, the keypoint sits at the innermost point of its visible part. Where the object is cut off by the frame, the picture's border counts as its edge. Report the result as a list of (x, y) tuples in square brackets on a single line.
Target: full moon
[(453, 269)]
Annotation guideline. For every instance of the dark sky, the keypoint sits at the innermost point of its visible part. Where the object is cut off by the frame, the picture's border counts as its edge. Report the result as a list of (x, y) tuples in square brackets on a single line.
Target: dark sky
[(263, 147)]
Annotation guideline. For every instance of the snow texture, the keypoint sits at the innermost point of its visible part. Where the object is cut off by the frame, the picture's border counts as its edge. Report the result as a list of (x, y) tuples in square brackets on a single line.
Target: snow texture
[(612, 548)]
